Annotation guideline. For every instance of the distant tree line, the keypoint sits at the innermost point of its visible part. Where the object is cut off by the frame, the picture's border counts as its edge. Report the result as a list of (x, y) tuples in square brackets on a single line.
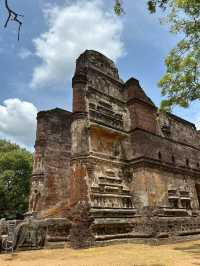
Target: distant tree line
[(15, 173)]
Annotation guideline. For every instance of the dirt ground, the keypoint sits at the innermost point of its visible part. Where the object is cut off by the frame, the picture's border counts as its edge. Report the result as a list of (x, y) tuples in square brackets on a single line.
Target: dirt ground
[(181, 254)]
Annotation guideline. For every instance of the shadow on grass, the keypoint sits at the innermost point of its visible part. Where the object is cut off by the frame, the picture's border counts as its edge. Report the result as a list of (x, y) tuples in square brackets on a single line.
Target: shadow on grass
[(194, 250), (10, 256), (148, 265)]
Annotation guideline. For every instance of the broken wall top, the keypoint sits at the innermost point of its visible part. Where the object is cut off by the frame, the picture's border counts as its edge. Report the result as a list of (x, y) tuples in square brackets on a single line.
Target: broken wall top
[(96, 60)]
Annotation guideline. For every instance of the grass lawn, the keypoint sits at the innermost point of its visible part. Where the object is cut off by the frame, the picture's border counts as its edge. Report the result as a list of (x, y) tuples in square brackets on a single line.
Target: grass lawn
[(181, 254)]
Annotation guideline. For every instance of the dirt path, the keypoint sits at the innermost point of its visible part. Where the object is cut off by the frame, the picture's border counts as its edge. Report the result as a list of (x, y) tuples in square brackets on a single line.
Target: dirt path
[(182, 254)]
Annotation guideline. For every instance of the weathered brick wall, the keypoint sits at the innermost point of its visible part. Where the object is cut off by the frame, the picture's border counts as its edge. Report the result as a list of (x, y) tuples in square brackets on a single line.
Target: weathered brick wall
[(122, 125), (78, 183), (52, 158), (79, 133), (150, 186), (164, 151), (79, 101), (178, 130), (143, 116), (114, 152), (141, 108)]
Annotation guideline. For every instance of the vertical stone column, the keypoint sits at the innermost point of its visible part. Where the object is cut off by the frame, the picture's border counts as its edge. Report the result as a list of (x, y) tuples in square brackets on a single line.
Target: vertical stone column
[(38, 175), (79, 83), (80, 138)]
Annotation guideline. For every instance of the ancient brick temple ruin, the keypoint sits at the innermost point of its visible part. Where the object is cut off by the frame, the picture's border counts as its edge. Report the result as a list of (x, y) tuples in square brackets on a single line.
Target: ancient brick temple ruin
[(139, 171)]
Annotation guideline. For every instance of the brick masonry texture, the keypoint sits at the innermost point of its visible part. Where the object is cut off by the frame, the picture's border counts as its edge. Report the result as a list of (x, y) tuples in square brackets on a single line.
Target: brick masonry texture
[(117, 154)]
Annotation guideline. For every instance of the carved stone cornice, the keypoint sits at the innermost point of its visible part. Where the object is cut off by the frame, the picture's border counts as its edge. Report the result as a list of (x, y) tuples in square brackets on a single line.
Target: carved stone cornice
[(91, 89), (79, 115), (157, 164)]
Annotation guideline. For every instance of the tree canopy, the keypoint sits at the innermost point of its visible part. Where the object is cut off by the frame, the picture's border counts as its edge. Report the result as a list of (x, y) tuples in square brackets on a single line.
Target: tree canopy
[(181, 82), (15, 172)]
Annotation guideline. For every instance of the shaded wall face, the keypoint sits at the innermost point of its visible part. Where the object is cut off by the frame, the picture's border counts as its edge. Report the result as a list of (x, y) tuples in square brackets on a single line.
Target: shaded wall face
[(52, 159), (164, 151), (143, 117), (152, 187), (177, 130), (79, 133)]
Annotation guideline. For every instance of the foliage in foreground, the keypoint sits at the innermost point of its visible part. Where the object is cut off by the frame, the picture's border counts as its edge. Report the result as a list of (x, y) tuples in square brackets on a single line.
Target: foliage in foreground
[(15, 172)]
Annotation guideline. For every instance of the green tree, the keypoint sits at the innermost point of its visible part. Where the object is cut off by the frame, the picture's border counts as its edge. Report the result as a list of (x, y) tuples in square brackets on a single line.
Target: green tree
[(181, 82), (118, 7), (15, 172)]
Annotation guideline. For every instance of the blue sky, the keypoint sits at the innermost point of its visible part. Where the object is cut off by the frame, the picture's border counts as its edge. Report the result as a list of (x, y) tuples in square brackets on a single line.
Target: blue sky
[(36, 72)]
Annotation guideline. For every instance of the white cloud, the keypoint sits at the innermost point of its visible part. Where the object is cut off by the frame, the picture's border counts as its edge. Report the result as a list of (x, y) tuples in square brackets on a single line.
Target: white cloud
[(73, 28), (18, 121), (24, 53), (198, 123)]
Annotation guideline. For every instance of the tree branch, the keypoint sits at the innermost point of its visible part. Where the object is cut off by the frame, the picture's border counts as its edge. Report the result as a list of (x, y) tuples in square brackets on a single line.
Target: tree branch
[(13, 16)]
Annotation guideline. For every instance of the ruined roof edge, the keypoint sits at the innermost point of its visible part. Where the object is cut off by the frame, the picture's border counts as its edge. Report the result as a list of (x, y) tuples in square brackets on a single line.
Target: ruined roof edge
[(54, 111)]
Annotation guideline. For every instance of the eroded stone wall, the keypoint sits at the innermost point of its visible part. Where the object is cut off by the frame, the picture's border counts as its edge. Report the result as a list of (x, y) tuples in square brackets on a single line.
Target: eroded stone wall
[(159, 187), (51, 161), (117, 154)]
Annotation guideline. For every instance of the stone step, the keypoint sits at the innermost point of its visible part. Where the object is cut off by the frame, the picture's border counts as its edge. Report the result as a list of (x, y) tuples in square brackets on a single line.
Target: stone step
[(109, 179), (175, 212), (120, 190), (110, 172), (111, 188), (55, 245), (120, 236), (111, 185), (113, 213), (110, 195)]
